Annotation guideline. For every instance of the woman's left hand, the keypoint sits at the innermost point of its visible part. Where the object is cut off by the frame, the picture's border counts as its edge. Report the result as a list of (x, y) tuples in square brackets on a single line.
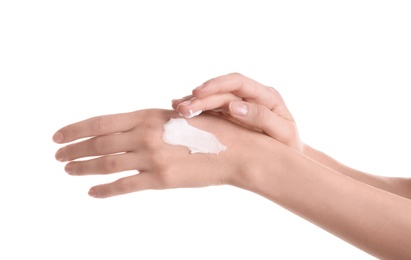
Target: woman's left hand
[(133, 141)]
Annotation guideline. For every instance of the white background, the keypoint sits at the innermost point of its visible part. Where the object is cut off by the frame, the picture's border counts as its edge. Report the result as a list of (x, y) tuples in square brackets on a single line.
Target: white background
[(343, 68)]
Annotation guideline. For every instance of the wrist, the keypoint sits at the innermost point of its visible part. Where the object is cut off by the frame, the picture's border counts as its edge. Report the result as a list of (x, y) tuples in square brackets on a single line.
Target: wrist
[(259, 169)]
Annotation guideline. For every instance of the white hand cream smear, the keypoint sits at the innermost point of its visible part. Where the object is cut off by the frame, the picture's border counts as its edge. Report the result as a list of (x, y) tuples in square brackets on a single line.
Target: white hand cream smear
[(192, 114), (178, 132)]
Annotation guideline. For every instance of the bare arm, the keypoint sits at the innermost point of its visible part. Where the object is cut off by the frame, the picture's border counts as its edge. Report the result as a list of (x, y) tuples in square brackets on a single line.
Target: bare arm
[(263, 109), (396, 185), (371, 219)]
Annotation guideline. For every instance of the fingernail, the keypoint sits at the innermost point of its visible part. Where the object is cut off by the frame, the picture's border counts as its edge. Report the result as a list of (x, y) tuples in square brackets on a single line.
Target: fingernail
[(239, 108), (199, 87), (60, 156), (179, 99), (58, 137), (185, 103), (193, 114)]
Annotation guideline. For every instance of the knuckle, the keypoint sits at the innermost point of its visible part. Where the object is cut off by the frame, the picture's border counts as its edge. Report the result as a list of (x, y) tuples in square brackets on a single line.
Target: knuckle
[(287, 138), (293, 129), (71, 152), (165, 180), (123, 186), (146, 143), (236, 75), (79, 168), (273, 94), (151, 142), (70, 132), (289, 134), (237, 78), (159, 157), (99, 124), (153, 123), (97, 146), (273, 90), (261, 117), (165, 177), (274, 99), (109, 165)]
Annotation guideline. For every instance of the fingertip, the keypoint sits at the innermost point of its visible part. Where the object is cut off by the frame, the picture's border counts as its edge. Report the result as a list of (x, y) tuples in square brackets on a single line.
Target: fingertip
[(92, 193), (69, 168), (183, 108), (60, 155), (176, 102), (102, 191), (187, 111), (58, 137)]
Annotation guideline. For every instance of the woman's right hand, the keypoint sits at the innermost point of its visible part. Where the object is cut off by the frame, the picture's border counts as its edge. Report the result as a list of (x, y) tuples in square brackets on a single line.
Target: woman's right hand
[(246, 102)]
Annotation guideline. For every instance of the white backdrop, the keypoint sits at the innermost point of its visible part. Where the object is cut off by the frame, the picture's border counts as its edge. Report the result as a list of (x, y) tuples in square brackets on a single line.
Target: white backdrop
[(343, 68)]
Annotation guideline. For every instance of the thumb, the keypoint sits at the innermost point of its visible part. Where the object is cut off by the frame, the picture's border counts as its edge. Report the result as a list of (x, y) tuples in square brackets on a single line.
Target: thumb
[(259, 116)]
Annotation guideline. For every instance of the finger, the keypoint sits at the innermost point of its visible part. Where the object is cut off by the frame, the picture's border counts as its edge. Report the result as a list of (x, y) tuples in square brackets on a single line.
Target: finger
[(220, 101), (260, 117), (176, 102), (246, 88), (96, 146), (101, 125), (104, 165), (138, 182)]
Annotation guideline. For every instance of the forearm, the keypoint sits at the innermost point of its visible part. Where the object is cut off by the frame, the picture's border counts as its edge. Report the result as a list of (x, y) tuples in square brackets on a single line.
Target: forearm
[(399, 186), (369, 218)]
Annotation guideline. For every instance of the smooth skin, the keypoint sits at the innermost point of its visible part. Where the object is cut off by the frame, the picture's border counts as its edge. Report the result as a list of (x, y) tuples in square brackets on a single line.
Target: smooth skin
[(370, 212), (249, 103)]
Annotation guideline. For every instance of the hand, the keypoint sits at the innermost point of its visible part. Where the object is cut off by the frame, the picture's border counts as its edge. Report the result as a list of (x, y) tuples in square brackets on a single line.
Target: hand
[(246, 102), (132, 141)]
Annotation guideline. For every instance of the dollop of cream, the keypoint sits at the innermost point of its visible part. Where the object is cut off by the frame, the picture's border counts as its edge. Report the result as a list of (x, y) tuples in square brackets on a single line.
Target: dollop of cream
[(192, 114), (178, 132)]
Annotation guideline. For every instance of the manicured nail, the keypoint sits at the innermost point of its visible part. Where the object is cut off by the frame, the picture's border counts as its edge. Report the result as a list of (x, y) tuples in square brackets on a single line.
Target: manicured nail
[(239, 108), (193, 114), (58, 137), (185, 103), (60, 156), (178, 99), (199, 87)]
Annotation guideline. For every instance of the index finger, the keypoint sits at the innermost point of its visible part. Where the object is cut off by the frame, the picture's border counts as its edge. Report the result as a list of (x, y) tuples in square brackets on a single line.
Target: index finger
[(241, 86), (95, 126), (245, 88)]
